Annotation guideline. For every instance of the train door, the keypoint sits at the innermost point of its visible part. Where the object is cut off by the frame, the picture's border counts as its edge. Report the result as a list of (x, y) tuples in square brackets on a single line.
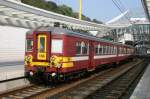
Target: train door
[(91, 57), (42, 46)]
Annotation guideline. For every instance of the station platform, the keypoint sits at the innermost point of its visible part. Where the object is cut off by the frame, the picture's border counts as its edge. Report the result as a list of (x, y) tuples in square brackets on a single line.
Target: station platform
[(142, 90), (11, 70)]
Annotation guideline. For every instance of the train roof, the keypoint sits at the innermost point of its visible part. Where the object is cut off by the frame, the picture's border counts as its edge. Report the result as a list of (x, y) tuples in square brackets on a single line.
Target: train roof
[(58, 30)]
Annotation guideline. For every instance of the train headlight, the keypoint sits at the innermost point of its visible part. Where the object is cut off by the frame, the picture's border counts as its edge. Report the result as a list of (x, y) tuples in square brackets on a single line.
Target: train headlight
[(31, 73), (53, 74)]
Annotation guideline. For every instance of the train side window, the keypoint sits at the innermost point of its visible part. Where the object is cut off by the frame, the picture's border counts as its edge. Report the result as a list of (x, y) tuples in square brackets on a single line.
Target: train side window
[(101, 50), (78, 48), (88, 48), (114, 52), (85, 48), (29, 45), (111, 50), (82, 47), (104, 50), (127, 51), (120, 50), (115, 48), (96, 49), (57, 46), (107, 50)]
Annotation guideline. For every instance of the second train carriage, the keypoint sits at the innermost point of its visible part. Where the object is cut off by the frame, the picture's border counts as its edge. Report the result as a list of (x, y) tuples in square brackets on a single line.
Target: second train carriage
[(58, 52)]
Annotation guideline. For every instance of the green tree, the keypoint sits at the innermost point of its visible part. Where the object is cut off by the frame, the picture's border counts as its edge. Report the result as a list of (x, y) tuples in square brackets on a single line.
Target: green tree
[(65, 10), (62, 9)]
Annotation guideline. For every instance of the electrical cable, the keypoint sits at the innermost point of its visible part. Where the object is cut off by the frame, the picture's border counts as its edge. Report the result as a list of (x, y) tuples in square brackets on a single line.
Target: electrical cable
[(120, 9)]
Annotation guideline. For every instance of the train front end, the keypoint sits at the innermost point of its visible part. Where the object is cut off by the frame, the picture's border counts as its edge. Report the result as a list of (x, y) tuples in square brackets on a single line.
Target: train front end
[(39, 65)]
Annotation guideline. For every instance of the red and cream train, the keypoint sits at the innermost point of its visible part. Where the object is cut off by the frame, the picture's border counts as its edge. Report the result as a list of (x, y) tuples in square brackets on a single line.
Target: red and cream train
[(57, 53)]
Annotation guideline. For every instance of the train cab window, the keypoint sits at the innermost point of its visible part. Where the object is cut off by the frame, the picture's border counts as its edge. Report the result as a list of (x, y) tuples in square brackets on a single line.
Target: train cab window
[(57, 46), (78, 48), (42, 44), (29, 45)]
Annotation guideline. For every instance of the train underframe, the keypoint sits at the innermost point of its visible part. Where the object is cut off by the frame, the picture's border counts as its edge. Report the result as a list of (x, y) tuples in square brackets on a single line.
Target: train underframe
[(40, 76)]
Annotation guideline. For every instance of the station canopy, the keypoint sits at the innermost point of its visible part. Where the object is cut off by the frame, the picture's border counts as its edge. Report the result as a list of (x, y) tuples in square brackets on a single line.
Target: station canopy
[(21, 15), (146, 5)]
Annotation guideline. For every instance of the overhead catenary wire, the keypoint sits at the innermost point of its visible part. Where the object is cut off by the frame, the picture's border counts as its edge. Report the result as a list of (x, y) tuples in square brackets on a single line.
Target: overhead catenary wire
[(121, 9), (124, 7)]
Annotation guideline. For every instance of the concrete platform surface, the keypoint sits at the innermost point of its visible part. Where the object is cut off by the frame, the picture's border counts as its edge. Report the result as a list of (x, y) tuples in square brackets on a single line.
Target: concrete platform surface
[(9, 72), (9, 85), (142, 90)]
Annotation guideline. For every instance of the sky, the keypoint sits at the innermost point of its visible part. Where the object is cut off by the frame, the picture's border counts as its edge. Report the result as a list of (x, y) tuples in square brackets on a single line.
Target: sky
[(104, 10)]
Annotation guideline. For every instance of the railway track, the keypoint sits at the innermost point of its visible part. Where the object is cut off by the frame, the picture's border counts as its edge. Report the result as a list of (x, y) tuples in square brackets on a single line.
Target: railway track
[(119, 87), (78, 89), (88, 89), (24, 92)]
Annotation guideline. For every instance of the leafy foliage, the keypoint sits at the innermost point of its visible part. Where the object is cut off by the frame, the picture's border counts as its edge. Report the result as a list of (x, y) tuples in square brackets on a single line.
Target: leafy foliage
[(61, 9)]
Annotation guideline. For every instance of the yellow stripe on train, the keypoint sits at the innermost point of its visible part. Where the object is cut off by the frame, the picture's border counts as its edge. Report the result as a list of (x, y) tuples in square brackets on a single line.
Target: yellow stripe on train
[(65, 62), (67, 65), (44, 64)]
